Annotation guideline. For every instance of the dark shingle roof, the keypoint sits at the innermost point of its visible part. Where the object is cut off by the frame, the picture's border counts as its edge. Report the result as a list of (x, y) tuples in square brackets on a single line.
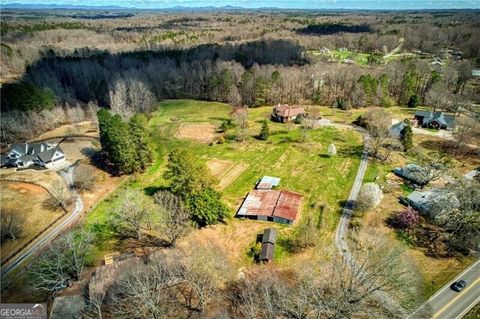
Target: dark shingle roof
[(422, 113), (27, 158), (47, 155), (269, 236), (20, 148), (440, 117), (268, 251)]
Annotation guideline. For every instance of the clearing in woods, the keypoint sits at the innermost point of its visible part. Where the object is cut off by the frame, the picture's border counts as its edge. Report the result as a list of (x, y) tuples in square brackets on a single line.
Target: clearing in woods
[(226, 171), (201, 132)]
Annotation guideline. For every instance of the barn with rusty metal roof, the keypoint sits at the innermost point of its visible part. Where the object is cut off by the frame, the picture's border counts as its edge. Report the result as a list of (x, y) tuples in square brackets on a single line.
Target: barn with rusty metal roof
[(266, 204)]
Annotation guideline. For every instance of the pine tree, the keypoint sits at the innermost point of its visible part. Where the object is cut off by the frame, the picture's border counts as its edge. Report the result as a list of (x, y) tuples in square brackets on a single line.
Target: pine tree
[(186, 174), (406, 137), (192, 181), (142, 141), (116, 141), (264, 132), (414, 101)]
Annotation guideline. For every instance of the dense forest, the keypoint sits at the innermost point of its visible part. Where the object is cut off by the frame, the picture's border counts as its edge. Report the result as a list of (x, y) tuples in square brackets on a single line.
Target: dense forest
[(69, 63)]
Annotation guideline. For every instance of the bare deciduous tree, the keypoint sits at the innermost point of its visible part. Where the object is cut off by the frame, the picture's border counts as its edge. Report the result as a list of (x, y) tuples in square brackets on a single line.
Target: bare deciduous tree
[(309, 121), (60, 196), (84, 177), (63, 261), (172, 284), (438, 97), (378, 122), (174, 218), (12, 222), (132, 214), (240, 118), (467, 129)]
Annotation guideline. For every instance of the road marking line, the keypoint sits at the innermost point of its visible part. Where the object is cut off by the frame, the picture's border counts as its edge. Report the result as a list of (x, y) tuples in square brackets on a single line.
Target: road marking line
[(474, 303), (438, 313), (444, 287)]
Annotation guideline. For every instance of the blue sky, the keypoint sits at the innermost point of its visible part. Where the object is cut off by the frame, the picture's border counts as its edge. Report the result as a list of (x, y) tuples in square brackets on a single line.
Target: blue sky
[(303, 4)]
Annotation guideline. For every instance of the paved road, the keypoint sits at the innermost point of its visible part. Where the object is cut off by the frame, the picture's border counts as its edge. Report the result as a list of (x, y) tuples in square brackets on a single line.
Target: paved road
[(44, 239), (448, 304)]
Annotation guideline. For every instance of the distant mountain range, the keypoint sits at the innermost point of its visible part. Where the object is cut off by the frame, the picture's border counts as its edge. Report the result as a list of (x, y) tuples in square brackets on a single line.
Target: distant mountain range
[(38, 6), (337, 5)]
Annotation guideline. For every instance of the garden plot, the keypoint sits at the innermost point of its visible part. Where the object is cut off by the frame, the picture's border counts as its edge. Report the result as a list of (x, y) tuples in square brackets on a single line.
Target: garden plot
[(226, 171), (201, 132)]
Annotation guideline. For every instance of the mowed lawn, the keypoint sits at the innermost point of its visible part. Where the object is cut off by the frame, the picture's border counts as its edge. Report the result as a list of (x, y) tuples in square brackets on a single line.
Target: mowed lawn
[(303, 167)]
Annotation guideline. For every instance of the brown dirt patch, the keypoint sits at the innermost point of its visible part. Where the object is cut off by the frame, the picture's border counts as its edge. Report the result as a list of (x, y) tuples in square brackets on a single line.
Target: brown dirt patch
[(226, 171), (25, 188), (201, 132)]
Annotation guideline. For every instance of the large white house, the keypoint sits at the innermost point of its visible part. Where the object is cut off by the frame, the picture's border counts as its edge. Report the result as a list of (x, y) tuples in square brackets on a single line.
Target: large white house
[(27, 154)]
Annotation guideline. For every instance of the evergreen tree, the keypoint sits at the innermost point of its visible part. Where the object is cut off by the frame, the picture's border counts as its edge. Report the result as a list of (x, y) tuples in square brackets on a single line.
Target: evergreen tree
[(413, 101), (264, 132), (192, 181), (206, 207), (186, 174), (116, 141), (406, 137), (142, 141)]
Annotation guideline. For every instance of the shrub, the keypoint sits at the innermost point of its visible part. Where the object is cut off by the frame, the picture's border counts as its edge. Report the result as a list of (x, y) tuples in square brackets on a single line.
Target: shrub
[(360, 121), (387, 102), (413, 101), (404, 219), (206, 207), (264, 132)]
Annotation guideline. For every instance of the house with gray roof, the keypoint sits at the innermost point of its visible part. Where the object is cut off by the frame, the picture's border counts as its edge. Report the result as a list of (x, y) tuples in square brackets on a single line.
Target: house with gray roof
[(397, 129), (437, 120), (431, 202), (24, 155), (414, 173)]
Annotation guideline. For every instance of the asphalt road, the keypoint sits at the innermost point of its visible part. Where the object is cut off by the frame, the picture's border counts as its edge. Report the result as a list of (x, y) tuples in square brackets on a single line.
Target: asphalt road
[(448, 304), (49, 235)]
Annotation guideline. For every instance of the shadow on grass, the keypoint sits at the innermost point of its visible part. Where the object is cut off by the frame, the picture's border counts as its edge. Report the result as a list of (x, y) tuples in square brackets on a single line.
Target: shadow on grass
[(151, 190), (353, 151), (147, 241)]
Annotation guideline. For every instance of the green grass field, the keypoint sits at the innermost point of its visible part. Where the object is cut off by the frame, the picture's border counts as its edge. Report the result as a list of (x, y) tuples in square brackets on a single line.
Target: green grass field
[(303, 167)]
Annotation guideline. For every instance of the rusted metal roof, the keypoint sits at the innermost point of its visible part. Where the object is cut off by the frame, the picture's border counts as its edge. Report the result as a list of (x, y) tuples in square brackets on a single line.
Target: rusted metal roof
[(274, 203), (288, 111), (287, 205)]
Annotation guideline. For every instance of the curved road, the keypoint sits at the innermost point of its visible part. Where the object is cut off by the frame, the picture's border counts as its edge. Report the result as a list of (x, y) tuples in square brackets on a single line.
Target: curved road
[(44, 239)]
